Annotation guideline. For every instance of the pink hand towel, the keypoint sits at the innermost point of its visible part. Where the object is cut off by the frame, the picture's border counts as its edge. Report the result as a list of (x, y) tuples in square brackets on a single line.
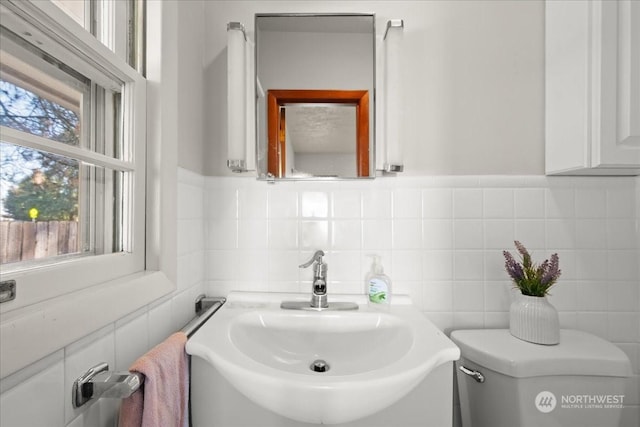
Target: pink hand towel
[(163, 398)]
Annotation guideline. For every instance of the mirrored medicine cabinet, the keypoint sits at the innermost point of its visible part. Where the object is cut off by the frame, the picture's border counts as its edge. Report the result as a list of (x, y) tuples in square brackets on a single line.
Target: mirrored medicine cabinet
[(315, 109)]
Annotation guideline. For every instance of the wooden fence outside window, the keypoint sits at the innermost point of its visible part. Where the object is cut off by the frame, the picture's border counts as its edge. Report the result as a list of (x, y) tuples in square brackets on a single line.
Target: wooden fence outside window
[(23, 240)]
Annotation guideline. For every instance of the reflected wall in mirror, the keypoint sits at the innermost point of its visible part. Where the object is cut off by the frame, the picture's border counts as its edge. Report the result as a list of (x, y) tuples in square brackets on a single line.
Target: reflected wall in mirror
[(328, 62), (323, 133)]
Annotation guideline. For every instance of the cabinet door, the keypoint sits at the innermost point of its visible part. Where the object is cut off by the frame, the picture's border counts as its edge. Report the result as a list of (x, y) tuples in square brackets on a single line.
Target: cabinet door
[(592, 101), (616, 83)]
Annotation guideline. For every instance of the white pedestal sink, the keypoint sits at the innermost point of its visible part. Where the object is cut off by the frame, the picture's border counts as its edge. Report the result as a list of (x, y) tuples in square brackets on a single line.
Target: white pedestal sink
[(370, 358)]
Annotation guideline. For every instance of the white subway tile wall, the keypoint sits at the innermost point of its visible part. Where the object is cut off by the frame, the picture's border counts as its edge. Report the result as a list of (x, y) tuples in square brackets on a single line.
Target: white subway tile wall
[(441, 241), (444, 233), (40, 395)]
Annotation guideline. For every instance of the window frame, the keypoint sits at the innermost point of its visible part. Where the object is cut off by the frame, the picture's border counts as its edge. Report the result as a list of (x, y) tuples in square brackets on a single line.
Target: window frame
[(62, 37), (33, 332)]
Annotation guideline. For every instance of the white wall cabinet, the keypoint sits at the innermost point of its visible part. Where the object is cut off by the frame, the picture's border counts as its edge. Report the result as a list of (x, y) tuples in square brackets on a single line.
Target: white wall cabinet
[(592, 103)]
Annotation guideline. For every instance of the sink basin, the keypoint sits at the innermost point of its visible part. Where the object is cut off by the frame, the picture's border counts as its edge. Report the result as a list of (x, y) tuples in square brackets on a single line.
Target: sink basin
[(290, 342), (321, 367)]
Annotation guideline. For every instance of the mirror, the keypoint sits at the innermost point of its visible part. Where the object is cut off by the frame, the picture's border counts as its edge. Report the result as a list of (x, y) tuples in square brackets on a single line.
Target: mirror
[(315, 78)]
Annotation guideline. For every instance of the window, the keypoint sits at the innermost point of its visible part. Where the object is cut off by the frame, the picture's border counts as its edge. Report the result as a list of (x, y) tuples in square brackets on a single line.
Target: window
[(76, 9), (72, 147)]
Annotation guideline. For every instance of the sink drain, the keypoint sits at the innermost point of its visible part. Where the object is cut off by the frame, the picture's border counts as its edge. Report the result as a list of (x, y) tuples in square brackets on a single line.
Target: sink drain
[(319, 366)]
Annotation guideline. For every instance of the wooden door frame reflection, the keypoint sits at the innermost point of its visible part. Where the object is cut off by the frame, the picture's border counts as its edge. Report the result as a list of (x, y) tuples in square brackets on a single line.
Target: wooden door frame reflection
[(276, 158)]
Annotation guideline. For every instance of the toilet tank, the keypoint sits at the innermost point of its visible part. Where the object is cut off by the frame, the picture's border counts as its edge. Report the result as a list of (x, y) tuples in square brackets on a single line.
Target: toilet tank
[(579, 382)]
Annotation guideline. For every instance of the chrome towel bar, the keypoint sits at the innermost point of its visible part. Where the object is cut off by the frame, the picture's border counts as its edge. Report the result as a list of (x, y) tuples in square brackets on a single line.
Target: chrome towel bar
[(99, 382), (205, 308)]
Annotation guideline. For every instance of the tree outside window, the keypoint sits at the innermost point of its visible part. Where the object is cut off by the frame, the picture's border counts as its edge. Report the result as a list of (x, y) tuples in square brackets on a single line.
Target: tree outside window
[(37, 185)]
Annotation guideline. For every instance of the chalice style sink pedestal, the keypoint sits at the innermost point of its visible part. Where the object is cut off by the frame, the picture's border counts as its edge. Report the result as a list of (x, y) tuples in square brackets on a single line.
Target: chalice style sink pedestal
[(324, 367)]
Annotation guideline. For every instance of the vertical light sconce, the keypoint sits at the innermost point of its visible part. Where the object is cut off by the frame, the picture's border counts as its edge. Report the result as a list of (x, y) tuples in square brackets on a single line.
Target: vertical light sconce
[(240, 100), (394, 160)]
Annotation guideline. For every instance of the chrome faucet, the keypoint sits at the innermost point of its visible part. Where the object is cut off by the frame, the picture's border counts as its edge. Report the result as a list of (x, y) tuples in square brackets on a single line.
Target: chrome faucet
[(319, 300), (319, 286)]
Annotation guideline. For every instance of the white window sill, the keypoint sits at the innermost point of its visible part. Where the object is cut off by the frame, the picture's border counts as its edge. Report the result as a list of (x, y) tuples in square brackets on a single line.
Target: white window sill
[(33, 332)]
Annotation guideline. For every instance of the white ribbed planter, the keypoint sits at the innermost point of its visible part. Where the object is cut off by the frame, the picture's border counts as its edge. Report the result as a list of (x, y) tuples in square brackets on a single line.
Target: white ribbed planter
[(534, 319)]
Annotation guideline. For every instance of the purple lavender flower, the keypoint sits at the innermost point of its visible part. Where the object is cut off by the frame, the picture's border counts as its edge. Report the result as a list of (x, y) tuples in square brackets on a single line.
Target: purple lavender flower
[(526, 257), (551, 272), (542, 268), (513, 268), (530, 278)]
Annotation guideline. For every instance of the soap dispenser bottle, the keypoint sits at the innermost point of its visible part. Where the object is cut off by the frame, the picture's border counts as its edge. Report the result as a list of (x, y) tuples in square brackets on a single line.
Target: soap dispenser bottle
[(378, 284)]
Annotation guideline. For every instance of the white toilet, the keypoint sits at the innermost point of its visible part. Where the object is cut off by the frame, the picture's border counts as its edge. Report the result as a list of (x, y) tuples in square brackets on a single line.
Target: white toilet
[(506, 382)]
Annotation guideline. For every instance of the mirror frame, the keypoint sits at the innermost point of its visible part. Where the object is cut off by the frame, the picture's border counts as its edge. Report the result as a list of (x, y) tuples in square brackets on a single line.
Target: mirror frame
[(276, 158)]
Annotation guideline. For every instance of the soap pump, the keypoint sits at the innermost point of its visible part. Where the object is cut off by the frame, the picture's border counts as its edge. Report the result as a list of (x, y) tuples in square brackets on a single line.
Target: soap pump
[(378, 284)]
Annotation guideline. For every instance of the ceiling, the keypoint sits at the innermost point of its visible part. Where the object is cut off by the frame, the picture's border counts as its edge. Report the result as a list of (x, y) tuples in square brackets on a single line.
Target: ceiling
[(314, 128)]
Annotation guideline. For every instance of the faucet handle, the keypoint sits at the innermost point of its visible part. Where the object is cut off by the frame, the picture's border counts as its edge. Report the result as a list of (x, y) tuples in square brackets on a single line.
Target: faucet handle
[(317, 257)]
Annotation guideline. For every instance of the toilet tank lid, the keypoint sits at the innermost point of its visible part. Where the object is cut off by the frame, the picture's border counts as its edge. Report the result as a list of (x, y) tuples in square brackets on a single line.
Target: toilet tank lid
[(579, 353)]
